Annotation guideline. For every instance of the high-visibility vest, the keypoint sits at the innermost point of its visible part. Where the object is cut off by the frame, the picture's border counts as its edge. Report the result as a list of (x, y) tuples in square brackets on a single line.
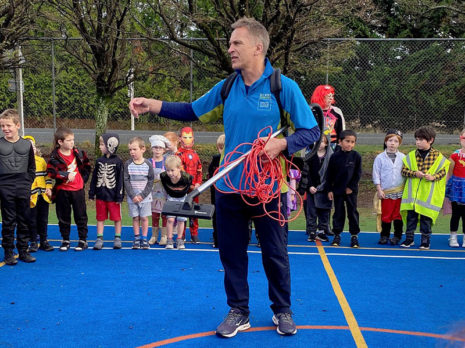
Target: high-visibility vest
[(423, 196)]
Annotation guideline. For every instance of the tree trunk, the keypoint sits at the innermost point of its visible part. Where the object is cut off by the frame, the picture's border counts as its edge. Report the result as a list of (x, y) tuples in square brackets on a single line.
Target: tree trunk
[(101, 120)]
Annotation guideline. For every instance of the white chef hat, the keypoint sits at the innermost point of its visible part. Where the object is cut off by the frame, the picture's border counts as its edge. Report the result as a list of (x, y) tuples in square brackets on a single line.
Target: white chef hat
[(159, 140)]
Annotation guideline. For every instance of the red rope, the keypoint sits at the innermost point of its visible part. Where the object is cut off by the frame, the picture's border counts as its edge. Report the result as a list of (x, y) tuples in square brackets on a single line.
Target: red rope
[(262, 177)]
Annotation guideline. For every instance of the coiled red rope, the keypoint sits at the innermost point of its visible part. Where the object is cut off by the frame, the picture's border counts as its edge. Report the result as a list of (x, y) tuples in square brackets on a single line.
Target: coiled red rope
[(262, 177)]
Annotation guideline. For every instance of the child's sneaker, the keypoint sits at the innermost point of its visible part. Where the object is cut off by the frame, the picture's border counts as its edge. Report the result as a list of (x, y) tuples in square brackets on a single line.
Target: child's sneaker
[(65, 245), (407, 243), (45, 246), (33, 247), (322, 236), (424, 246), (453, 243), (180, 244), (354, 242), (336, 240), (144, 244), (136, 244), (98, 244), (169, 243), (195, 239), (394, 240), (383, 240), (163, 240), (82, 245), (463, 244), (117, 243), (311, 237)]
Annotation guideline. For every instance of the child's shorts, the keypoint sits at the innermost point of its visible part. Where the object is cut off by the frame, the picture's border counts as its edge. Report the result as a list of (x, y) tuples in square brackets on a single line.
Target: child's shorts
[(142, 209), (176, 218), (108, 208)]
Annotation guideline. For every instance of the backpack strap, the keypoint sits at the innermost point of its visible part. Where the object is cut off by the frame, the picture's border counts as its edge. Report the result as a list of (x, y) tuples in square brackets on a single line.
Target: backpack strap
[(275, 87), (226, 88)]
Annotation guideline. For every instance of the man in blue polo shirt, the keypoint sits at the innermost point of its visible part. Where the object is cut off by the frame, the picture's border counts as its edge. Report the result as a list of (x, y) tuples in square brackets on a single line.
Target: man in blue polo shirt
[(250, 107)]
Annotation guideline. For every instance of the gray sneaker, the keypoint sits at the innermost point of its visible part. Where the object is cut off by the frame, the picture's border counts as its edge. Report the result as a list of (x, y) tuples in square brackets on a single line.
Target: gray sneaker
[(98, 244), (180, 244), (284, 324), (235, 321), (169, 243), (117, 243)]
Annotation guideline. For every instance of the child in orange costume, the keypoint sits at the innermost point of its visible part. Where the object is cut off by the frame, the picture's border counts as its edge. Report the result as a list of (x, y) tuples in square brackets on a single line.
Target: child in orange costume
[(192, 165)]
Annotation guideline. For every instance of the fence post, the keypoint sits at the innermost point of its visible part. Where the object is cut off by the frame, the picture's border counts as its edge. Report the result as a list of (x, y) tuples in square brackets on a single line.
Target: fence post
[(54, 108), (20, 87)]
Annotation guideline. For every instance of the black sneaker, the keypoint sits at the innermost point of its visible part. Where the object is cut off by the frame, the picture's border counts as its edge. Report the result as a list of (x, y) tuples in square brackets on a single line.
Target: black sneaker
[(82, 245), (45, 246), (311, 237), (407, 243), (322, 236), (383, 240), (10, 259), (424, 246), (336, 240), (26, 257), (235, 321), (284, 324), (394, 240), (64, 245), (195, 239), (33, 247), (354, 242)]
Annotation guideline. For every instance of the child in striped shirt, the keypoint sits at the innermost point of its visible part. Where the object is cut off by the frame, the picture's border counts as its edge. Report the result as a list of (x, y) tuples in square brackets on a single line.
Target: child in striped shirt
[(138, 181)]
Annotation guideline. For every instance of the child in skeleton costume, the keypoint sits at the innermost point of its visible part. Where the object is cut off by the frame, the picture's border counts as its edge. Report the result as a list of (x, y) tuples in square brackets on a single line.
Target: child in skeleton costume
[(107, 187), (159, 145)]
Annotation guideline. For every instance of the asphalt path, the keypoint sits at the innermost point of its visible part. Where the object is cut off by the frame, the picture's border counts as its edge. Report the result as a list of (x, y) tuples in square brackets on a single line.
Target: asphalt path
[(45, 136)]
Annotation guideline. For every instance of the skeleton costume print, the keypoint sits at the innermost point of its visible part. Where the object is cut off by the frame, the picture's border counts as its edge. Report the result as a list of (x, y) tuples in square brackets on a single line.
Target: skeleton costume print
[(107, 178)]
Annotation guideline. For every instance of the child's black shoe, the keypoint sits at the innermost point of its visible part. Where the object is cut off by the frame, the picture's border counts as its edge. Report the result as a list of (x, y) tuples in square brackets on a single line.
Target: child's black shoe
[(354, 242)]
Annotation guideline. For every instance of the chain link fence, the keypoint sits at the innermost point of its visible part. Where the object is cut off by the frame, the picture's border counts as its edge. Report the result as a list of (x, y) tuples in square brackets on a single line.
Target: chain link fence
[(379, 84)]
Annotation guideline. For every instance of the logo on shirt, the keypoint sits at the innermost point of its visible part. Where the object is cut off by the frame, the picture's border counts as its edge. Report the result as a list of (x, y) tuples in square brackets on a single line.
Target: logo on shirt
[(264, 101)]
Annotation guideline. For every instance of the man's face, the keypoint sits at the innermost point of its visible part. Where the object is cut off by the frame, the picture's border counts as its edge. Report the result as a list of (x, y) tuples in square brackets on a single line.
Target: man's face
[(242, 48), (187, 139)]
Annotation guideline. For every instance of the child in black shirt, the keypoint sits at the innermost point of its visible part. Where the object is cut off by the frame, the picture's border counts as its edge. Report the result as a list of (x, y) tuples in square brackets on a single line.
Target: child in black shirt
[(177, 184), (342, 178)]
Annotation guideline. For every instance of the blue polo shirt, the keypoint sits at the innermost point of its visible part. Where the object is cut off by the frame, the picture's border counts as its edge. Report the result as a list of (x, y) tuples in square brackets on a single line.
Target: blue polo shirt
[(247, 111)]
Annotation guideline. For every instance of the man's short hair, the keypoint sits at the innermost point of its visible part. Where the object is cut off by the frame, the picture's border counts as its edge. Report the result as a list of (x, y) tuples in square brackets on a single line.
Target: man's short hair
[(10, 114), (138, 140), (256, 29), (173, 161), (426, 133)]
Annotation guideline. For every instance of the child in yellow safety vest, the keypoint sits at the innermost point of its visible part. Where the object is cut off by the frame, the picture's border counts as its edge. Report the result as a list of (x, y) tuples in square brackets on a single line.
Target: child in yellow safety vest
[(425, 169), (41, 191)]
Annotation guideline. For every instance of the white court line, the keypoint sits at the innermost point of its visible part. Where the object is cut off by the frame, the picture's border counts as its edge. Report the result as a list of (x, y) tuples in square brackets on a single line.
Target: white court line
[(382, 256)]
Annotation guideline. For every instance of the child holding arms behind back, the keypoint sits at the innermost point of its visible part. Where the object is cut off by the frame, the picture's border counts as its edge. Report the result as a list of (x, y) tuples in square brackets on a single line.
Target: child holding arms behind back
[(387, 176), (70, 168), (421, 200), (107, 186), (177, 184), (138, 182), (342, 178), (41, 191)]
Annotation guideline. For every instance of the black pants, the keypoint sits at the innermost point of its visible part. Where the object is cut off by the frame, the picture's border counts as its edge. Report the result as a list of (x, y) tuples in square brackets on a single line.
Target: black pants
[(64, 201), (38, 220), (412, 223), (458, 211), (339, 216), (316, 218), (14, 208), (233, 217)]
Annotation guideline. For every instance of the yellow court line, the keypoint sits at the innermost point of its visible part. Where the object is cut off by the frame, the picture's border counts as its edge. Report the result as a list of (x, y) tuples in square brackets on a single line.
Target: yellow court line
[(350, 318)]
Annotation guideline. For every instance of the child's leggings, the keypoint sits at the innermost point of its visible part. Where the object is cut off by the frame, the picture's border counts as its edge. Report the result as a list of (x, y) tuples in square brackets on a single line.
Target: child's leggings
[(458, 211)]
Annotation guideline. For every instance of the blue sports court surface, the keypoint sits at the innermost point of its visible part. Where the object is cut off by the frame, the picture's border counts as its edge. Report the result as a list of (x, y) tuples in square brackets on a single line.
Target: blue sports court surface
[(375, 296)]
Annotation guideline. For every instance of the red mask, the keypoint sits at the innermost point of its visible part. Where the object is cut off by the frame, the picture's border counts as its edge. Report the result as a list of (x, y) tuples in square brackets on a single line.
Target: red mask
[(187, 137)]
